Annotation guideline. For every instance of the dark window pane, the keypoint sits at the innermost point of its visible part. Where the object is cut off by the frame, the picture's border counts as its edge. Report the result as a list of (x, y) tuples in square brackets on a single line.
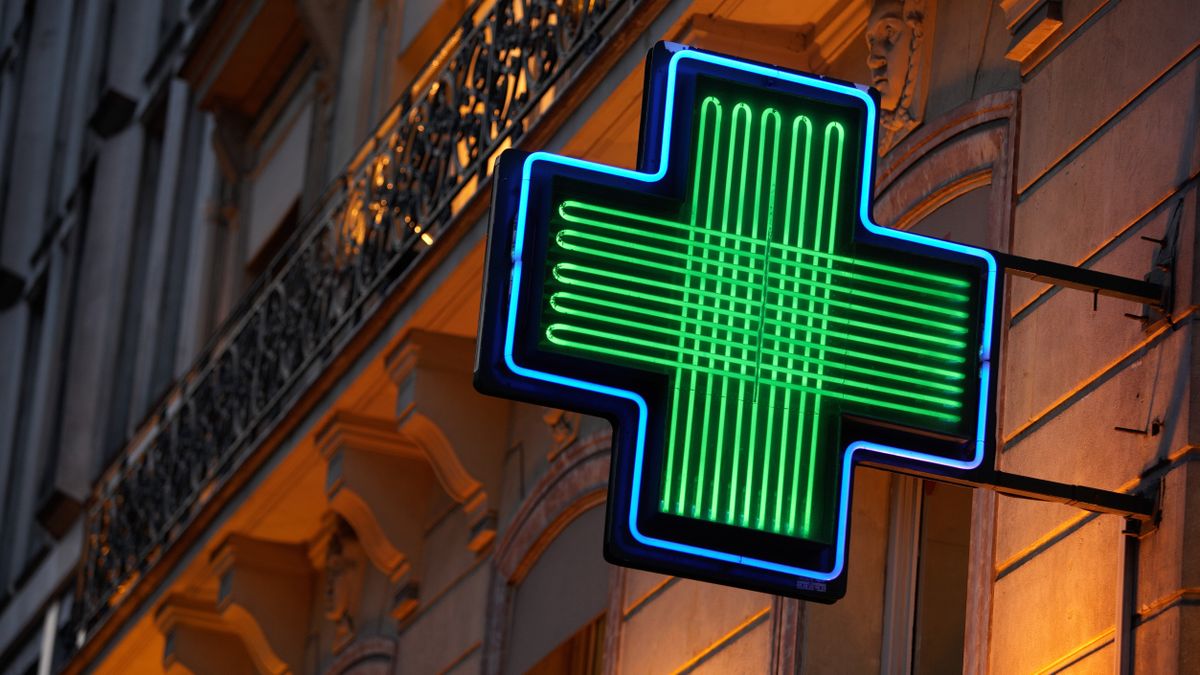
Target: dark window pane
[(942, 579)]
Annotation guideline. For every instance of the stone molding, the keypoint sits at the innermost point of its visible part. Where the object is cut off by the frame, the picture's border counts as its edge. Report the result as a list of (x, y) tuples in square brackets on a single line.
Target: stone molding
[(381, 474), (197, 639), (971, 146), (265, 594), (790, 46), (1031, 23), (564, 430), (968, 147), (575, 482), (368, 656), (433, 377), (787, 630), (899, 37), (379, 482)]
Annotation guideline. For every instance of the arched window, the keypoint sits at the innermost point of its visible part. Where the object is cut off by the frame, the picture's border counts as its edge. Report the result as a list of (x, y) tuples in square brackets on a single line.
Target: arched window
[(552, 592), (921, 552), (556, 623)]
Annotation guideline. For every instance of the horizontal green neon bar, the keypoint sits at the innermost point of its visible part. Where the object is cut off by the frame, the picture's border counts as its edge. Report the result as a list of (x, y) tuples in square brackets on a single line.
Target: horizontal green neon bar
[(553, 330), (740, 239), (826, 285), (792, 356), (913, 410), (558, 302), (561, 306), (565, 235), (561, 270), (955, 345)]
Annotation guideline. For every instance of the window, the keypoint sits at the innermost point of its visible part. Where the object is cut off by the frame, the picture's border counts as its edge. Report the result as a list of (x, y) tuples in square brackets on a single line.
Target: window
[(360, 96), (905, 609), (557, 619), (941, 601), (938, 514), (12, 76), (580, 654), (56, 509), (274, 188)]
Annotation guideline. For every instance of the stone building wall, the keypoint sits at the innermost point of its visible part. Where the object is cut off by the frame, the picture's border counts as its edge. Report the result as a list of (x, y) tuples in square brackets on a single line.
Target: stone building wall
[(1066, 131), (1108, 158)]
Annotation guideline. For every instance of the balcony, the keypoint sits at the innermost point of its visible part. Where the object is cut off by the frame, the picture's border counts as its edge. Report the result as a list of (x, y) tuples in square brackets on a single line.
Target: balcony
[(504, 77)]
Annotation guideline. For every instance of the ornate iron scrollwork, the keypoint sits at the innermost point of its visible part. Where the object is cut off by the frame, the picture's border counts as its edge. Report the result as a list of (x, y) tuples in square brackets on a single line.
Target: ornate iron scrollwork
[(394, 205)]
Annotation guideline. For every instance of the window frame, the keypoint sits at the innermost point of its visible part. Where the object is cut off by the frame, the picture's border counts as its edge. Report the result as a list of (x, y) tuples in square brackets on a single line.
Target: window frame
[(968, 148)]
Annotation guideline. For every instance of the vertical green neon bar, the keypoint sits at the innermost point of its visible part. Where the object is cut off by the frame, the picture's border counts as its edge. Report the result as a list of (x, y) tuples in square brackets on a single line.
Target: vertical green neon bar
[(672, 442), (755, 408), (746, 298), (737, 151), (833, 202), (801, 216)]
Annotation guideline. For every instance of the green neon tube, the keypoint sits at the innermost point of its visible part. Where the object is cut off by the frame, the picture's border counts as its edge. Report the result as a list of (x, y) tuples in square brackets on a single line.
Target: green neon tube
[(561, 272), (569, 204), (763, 323)]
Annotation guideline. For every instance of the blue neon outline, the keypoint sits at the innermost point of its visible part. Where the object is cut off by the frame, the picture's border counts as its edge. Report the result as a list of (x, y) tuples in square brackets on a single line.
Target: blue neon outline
[(985, 351)]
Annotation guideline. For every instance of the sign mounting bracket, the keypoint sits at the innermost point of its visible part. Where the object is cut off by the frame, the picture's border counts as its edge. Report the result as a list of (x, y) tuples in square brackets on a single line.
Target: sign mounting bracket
[(1149, 293), (1140, 507), (1143, 508), (1155, 291), (732, 308)]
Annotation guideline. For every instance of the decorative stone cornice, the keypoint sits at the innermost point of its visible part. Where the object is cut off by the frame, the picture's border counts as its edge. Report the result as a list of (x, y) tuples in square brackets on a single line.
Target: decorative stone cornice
[(265, 594), (197, 639), (380, 482), (438, 409)]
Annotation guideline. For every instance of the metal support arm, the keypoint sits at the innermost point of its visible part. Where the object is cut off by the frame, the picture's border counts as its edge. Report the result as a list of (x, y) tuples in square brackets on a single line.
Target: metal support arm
[(1141, 507), (1110, 285), (1087, 498)]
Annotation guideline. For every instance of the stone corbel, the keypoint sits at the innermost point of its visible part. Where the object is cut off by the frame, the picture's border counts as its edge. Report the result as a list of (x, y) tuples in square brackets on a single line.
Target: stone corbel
[(265, 594), (899, 38), (461, 432), (197, 639), (380, 483)]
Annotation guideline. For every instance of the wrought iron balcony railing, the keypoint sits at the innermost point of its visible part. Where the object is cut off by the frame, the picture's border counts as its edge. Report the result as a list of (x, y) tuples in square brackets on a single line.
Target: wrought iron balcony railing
[(487, 87)]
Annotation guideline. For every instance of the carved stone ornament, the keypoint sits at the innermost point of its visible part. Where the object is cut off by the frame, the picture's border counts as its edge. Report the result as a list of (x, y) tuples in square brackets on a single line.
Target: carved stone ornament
[(899, 42), (564, 429), (344, 568)]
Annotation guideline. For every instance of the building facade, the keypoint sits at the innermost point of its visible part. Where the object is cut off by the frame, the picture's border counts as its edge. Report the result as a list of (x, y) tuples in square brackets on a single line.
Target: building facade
[(241, 258)]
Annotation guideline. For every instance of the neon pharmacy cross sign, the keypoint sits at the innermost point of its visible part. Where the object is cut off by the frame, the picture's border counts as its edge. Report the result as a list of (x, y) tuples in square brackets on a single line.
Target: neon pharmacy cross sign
[(733, 310)]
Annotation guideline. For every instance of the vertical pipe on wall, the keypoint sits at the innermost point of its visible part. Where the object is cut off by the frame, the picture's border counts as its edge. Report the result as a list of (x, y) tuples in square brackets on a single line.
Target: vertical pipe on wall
[(1127, 596)]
